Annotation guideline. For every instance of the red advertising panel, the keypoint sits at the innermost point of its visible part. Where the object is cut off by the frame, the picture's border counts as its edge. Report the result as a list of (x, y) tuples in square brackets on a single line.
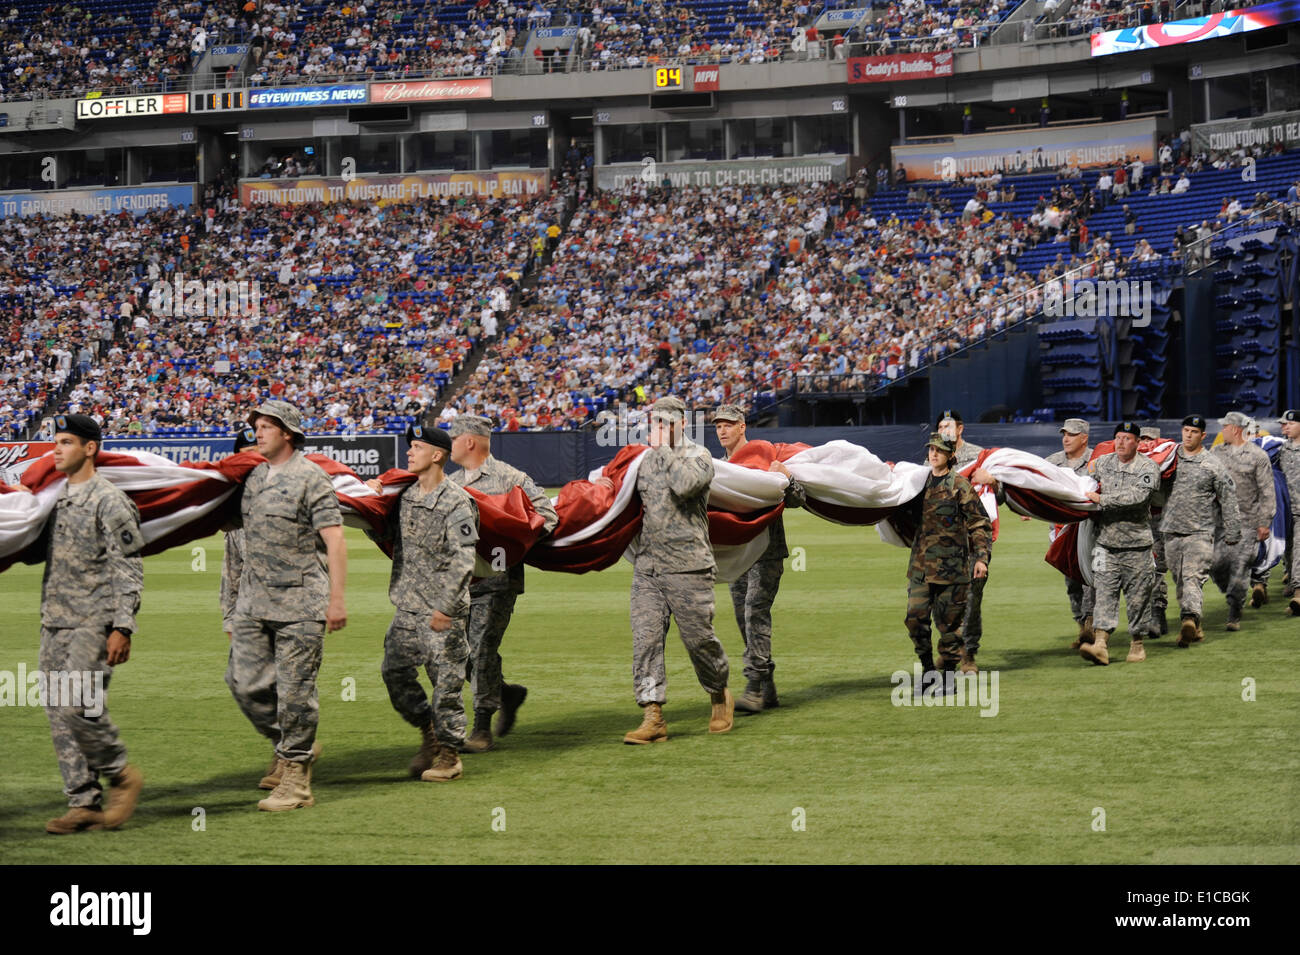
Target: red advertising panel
[(14, 454), (705, 79), (903, 66), (430, 91)]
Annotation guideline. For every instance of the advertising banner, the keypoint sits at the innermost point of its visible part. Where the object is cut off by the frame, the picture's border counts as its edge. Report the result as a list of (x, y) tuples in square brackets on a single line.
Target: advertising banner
[(1007, 153), (1226, 23), (430, 91), (1262, 131), (705, 79), (117, 107), (369, 455), (179, 450), (14, 454), (136, 200), (901, 66), (386, 189), (350, 94), (744, 172)]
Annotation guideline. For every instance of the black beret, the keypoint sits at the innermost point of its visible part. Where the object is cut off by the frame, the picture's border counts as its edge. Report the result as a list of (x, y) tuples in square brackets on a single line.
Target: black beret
[(245, 437), (1194, 421), (1129, 427), (945, 415), (81, 425), (1291, 415), (434, 436)]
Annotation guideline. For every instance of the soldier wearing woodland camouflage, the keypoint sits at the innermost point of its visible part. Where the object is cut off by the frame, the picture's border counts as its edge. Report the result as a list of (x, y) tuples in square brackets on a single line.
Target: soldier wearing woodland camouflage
[(1288, 461), (290, 592), (950, 425), (434, 529), (1252, 473), (1157, 626), (953, 545), (1074, 454), (90, 595), (1121, 558), (232, 561), (492, 599), (673, 573), (1201, 490), (753, 593)]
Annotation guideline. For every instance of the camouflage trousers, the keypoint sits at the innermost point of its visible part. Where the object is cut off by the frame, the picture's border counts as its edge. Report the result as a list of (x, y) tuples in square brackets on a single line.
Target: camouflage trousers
[(85, 743), (751, 597), (1160, 594), (689, 599), (411, 644), (1230, 565), (1081, 598), (1128, 571), (489, 615), (272, 675), (947, 603), (1189, 557), (972, 628)]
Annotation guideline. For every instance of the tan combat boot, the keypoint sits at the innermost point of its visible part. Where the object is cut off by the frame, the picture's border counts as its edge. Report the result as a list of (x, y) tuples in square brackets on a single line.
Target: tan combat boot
[(294, 791), (76, 819), (653, 729), (1096, 651), (968, 662), (1136, 652), (1085, 633), (479, 741), (1190, 632), (446, 766), (1259, 595), (751, 701), (770, 700), (723, 716), (123, 794), (272, 777), (428, 752)]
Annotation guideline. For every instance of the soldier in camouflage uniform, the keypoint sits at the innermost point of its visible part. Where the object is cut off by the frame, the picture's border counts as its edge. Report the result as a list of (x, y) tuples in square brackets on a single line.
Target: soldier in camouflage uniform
[(1200, 486), (1252, 473), (1157, 625), (232, 561), (953, 544), (754, 591), (1288, 460), (673, 573), (972, 629), (1121, 558), (90, 595), (434, 529), (492, 599), (291, 591), (1074, 454)]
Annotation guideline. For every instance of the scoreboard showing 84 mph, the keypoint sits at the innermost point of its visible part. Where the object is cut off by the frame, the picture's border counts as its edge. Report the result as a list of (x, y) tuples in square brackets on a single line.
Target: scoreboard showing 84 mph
[(668, 78)]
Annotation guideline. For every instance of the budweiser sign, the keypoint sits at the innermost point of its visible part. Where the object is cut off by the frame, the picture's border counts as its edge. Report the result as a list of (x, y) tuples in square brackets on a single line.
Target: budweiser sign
[(430, 91), (705, 79), (904, 66)]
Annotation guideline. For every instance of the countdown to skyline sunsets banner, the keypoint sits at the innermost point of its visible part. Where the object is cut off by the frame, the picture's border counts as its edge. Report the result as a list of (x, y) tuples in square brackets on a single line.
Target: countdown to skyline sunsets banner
[(1226, 23)]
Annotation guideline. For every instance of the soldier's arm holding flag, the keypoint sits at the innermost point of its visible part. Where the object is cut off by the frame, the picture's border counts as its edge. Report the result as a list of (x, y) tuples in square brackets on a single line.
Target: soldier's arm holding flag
[(977, 527), (119, 525)]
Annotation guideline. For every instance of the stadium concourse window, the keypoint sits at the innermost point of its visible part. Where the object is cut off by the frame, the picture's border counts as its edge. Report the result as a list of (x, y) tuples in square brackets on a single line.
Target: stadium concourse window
[(23, 172), (285, 160), (823, 134), (440, 151), (373, 154), (518, 147), (631, 143), (699, 139), (93, 167), (169, 164), (763, 137)]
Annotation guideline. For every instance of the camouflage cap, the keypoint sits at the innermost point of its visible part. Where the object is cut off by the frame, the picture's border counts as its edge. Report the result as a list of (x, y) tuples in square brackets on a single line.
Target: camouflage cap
[(1075, 426), (281, 411), (668, 409), (937, 440), (729, 413), (1150, 432), (1235, 417), (470, 424)]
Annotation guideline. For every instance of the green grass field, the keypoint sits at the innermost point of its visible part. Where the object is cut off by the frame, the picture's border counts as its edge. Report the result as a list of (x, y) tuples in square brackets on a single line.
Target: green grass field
[(1185, 770)]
